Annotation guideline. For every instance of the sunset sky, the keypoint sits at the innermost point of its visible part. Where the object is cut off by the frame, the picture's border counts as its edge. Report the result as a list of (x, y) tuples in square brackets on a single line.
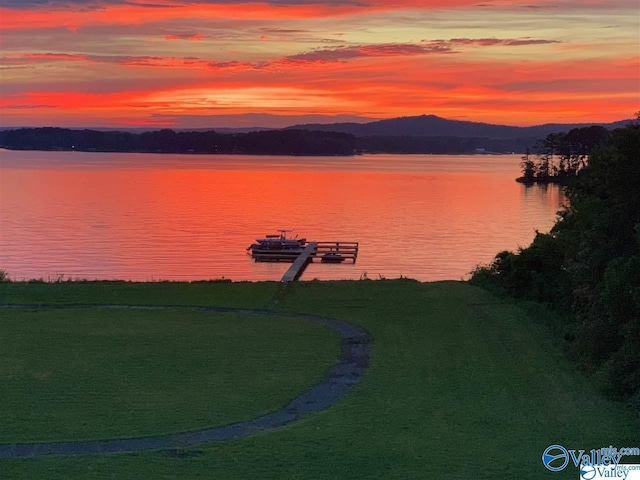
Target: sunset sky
[(207, 63)]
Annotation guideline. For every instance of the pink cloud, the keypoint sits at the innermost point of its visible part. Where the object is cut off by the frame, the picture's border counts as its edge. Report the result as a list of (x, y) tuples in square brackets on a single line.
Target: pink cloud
[(342, 53), (425, 47), (191, 37), (490, 42)]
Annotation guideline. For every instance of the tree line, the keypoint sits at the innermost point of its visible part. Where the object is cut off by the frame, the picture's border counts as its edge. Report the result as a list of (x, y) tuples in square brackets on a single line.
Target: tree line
[(559, 156), (588, 267), (271, 142)]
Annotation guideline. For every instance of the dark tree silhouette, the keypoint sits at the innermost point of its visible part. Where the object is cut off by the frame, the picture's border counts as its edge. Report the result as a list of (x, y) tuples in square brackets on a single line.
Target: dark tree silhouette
[(588, 266), (560, 156)]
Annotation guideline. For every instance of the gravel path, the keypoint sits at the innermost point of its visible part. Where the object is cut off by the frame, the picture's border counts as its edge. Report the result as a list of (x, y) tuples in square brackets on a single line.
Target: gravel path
[(350, 368)]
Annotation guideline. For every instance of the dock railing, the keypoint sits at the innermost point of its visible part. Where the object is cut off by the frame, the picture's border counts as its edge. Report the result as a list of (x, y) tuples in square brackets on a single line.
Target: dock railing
[(347, 250)]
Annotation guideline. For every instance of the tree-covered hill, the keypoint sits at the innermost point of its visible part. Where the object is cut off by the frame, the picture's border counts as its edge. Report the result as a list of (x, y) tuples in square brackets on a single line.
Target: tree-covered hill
[(434, 126)]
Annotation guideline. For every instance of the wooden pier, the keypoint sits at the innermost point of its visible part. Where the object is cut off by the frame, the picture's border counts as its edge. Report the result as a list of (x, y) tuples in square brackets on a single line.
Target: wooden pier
[(324, 252), (300, 263)]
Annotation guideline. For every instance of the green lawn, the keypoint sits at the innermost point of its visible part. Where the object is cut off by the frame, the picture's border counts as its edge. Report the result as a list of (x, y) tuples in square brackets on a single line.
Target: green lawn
[(72, 374), (218, 293), (461, 385)]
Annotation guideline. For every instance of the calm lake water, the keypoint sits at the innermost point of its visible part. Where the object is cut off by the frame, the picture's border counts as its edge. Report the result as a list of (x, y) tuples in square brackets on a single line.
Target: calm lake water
[(185, 217)]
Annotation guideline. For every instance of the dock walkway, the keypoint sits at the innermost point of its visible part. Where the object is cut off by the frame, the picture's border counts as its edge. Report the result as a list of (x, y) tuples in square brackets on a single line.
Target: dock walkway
[(300, 263)]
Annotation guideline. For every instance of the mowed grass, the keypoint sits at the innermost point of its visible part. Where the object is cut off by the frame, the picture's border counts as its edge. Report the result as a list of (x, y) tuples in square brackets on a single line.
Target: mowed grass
[(70, 374), (206, 293), (461, 385)]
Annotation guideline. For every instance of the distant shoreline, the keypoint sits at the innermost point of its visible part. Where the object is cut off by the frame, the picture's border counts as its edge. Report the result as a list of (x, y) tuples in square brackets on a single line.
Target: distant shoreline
[(293, 142), (354, 154)]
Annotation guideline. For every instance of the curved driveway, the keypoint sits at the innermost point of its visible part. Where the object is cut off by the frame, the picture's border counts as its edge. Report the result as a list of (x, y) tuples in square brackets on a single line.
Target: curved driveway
[(354, 359)]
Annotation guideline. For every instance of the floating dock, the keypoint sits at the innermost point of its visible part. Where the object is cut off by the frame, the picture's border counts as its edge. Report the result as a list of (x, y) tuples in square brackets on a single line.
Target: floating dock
[(325, 252)]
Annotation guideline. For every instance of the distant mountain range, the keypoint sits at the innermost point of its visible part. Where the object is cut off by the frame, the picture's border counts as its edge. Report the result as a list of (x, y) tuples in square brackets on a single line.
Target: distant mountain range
[(434, 126), (419, 126)]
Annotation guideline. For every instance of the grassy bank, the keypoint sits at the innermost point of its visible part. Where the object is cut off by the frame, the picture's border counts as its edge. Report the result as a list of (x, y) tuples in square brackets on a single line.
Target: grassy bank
[(461, 385), (214, 293)]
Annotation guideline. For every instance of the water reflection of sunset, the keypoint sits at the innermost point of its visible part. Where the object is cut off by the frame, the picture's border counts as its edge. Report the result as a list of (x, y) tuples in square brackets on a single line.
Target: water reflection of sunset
[(169, 219)]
